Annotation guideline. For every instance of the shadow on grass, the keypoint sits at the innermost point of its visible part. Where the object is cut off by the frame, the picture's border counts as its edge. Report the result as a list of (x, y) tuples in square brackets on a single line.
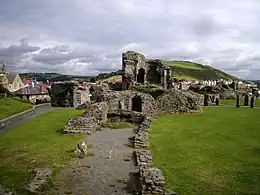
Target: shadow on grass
[(60, 132)]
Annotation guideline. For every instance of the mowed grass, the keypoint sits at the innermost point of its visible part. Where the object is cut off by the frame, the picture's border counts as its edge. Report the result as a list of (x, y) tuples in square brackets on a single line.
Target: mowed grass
[(38, 143), (184, 64), (241, 102), (212, 153), (9, 106), (117, 125), (183, 77)]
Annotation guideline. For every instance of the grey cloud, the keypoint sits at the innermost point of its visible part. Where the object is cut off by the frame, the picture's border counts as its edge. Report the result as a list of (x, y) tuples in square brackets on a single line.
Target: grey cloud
[(88, 36), (17, 50)]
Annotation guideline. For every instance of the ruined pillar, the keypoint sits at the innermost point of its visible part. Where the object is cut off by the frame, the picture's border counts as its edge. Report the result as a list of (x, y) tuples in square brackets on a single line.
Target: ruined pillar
[(180, 85), (206, 100), (217, 102), (246, 100), (119, 105), (237, 102), (252, 102)]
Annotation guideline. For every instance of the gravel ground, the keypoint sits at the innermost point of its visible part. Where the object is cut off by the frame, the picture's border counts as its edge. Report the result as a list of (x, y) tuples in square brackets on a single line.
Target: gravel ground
[(110, 171)]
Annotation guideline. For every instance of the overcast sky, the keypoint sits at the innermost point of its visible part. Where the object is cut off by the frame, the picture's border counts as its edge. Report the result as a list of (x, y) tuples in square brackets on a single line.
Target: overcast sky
[(86, 37)]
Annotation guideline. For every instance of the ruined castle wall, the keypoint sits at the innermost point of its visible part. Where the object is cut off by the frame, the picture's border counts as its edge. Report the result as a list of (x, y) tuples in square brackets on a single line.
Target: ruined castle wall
[(80, 96), (139, 70), (131, 63), (125, 98)]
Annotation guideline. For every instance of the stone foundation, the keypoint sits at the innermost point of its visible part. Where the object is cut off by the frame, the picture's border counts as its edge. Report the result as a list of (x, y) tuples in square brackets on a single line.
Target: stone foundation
[(152, 179), (95, 116)]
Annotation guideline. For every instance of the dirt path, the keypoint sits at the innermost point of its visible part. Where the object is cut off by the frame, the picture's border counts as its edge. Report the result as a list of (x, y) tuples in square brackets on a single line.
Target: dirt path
[(110, 171), (38, 112)]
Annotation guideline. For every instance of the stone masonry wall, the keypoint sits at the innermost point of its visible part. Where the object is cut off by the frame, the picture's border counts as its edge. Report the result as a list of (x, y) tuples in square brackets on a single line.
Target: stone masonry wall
[(95, 116), (124, 98), (152, 179), (150, 71)]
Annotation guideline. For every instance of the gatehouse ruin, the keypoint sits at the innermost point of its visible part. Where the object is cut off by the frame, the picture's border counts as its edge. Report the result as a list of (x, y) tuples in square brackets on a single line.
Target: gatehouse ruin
[(137, 69)]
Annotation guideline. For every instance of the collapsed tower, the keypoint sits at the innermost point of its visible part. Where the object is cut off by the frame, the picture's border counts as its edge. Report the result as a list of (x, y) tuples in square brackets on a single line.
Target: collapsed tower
[(137, 69)]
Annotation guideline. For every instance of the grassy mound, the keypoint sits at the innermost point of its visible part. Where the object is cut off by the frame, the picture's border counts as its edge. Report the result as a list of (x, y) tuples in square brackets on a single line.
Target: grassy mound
[(116, 78), (193, 71), (117, 125), (37, 143), (153, 91), (9, 106), (215, 152)]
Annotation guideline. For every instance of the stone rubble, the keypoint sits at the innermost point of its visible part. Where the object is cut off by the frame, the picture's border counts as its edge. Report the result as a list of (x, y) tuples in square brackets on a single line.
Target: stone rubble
[(152, 179), (4, 191), (95, 116), (41, 177), (81, 148)]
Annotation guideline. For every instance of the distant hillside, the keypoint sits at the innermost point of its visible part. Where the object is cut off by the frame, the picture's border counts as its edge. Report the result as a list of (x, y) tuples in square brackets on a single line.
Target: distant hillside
[(257, 82), (193, 71), (180, 70), (53, 77)]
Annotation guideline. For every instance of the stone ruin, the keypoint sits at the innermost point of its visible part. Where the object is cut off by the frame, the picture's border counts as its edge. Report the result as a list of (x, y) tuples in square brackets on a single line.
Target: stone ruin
[(138, 107), (68, 94), (137, 69)]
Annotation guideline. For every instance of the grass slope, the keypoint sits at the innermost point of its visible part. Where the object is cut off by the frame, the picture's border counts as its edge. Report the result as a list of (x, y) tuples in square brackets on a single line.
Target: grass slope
[(9, 106), (112, 79), (193, 71), (215, 152), (117, 125), (37, 143)]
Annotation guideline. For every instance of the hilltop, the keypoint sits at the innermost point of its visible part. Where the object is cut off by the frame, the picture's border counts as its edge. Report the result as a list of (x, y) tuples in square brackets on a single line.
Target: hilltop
[(193, 71), (53, 77), (185, 70)]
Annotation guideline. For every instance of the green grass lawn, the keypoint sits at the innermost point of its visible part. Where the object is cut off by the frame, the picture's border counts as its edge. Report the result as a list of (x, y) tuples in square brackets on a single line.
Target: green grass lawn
[(37, 143), (212, 153), (184, 64), (182, 77), (117, 125), (241, 102), (9, 106)]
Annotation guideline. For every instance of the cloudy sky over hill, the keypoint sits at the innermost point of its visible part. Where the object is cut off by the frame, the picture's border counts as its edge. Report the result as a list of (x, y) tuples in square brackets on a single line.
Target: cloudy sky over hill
[(87, 37)]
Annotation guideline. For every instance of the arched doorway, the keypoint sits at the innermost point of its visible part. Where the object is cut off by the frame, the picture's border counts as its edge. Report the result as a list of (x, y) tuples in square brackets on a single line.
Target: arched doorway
[(137, 104), (140, 75)]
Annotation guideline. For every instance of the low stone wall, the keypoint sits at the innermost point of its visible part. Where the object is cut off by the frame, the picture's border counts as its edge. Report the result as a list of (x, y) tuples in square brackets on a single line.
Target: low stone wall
[(95, 116), (19, 116), (152, 179)]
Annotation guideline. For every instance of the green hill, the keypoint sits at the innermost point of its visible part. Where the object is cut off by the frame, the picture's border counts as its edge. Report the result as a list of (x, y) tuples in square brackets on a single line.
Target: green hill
[(53, 77), (180, 70), (193, 71)]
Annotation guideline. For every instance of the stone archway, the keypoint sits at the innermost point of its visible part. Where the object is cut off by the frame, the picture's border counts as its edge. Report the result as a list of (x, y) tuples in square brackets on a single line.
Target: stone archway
[(137, 103), (140, 75)]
